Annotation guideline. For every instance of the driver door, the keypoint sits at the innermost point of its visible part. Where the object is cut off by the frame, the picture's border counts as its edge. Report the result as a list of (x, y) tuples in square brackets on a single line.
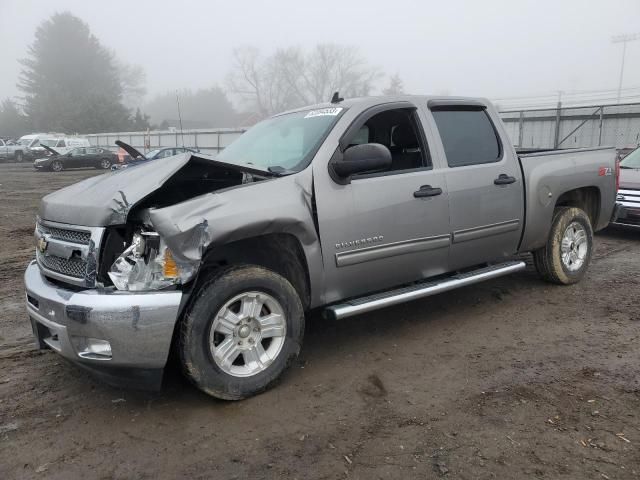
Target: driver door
[(377, 231)]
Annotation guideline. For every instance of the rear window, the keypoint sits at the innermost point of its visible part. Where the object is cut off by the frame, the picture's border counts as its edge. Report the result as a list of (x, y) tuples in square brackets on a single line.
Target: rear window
[(468, 137)]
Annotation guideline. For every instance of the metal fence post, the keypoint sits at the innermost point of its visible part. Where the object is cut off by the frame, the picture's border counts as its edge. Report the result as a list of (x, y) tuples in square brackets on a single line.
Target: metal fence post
[(556, 138), (520, 128), (600, 126)]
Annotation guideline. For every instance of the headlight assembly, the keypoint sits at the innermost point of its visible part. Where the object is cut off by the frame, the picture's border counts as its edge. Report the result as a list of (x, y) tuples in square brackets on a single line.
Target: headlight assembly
[(146, 264)]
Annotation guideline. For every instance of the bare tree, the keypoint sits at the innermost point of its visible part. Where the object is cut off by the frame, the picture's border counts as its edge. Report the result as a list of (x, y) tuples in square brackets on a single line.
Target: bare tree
[(290, 77), (395, 86)]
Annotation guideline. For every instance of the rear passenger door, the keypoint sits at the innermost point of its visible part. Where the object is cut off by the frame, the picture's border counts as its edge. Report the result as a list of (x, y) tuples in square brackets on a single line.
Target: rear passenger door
[(486, 204)]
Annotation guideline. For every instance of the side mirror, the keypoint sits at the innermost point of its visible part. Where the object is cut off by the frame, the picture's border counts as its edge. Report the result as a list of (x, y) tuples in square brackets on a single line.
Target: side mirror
[(368, 157)]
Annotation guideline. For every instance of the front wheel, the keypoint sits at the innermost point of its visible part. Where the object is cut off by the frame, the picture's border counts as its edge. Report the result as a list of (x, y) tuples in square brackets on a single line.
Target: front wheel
[(105, 164), (566, 257), (57, 166), (19, 157), (241, 332)]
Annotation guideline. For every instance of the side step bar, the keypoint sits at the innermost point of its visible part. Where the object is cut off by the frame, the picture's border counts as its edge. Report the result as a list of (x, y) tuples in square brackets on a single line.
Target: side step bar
[(420, 290)]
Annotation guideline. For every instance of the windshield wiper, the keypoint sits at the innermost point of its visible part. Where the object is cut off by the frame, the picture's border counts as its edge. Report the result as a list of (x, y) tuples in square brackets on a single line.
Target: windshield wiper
[(279, 171)]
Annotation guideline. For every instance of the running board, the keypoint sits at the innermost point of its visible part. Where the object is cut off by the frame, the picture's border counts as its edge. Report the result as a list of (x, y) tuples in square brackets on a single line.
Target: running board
[(420, 290)]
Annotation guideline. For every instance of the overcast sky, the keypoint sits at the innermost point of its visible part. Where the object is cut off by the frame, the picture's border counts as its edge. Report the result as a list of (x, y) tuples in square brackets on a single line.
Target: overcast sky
[(489, 48)]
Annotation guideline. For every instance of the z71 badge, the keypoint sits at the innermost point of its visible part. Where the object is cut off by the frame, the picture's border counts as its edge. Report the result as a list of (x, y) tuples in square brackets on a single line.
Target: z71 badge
[(605, 171)]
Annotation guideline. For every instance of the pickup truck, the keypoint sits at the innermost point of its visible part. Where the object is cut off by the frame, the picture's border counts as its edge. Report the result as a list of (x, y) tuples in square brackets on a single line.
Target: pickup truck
[(343, 207), (11, 151)]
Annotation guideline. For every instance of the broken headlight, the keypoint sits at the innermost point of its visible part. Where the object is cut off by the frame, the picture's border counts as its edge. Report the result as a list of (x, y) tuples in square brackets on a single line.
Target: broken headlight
[(146, 264)]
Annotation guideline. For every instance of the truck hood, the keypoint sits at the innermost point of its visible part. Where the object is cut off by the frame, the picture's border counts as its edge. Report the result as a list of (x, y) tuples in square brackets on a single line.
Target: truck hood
[(107, 199), (630, 178)]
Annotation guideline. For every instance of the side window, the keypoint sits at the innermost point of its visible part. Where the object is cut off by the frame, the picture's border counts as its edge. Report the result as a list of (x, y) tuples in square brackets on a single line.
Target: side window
[(361, 137), (399, 131), (468, 136)]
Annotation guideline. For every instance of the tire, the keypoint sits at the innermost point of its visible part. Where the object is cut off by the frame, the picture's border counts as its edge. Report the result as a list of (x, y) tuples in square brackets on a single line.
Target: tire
[(104, 164), (208, 343), (57, 166), (566, 257), (19, 156)]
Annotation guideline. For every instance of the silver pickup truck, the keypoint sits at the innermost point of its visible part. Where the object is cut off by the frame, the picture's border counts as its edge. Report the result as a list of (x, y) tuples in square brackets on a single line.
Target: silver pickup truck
[(11, 151), (345, 207)]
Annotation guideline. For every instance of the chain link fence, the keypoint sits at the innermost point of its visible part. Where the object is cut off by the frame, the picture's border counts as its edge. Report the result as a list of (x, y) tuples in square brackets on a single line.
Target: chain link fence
[(575, 127), (206, 140)]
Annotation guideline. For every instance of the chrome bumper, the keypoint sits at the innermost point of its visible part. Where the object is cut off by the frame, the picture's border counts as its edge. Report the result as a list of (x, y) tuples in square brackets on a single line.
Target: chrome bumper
[(138, 326)]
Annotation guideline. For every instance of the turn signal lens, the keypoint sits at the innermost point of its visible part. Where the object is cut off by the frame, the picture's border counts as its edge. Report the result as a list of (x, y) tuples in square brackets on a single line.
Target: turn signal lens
[(169, 268)]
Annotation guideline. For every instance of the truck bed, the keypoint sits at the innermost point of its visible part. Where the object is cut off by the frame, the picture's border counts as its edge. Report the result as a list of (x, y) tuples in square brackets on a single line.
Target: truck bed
[(550, 178)]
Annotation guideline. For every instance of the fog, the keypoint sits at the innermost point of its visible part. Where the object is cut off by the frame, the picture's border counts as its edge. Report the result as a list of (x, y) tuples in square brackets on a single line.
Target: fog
[(491, 48)]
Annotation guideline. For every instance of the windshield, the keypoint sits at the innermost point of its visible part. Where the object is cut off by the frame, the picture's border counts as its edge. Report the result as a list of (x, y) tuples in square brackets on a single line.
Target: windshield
[(47, 142), (287, 141), (632, 160), (152, 153), (25, 142)]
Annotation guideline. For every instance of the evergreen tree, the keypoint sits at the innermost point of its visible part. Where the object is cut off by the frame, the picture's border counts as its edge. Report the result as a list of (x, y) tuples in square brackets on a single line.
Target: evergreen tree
[(70, 81), (13, 123)]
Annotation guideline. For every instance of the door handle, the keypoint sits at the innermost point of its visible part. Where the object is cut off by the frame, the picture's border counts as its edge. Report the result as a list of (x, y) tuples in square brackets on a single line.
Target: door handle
[(427, 191), (504, 179)]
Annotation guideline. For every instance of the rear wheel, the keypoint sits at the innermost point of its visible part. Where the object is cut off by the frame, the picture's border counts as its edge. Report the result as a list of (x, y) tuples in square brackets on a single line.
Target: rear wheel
[(57, 166), (241, 332), (566, 257), (19, 157), (105, 164)]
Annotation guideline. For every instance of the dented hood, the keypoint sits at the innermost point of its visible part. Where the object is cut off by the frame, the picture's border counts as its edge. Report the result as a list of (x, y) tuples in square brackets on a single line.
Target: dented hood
[(107, 199)]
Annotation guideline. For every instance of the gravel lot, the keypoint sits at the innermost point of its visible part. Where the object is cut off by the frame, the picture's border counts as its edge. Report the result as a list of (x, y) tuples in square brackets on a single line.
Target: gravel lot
[(512, 378)]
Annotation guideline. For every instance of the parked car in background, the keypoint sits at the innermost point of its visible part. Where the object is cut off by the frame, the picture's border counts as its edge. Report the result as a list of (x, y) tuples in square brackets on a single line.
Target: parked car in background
[(628, 199), (79, 157), (32, 146), (134, 157)]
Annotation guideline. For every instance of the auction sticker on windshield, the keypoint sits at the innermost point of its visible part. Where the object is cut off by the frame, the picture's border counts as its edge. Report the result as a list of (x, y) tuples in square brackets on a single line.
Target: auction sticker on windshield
[(324, 112)]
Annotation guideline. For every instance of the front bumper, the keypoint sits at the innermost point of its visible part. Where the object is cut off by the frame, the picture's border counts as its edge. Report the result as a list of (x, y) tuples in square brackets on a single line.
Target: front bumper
[(626, 215), (138, 326)]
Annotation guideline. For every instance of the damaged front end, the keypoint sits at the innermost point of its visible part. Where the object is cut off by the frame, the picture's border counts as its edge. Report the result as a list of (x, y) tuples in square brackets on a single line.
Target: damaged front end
[(133, 253), (147, 264)]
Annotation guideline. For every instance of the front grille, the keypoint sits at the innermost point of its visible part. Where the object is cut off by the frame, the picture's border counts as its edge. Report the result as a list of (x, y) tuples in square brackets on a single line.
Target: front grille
[(68, 254), (74, 236), (73, 267)]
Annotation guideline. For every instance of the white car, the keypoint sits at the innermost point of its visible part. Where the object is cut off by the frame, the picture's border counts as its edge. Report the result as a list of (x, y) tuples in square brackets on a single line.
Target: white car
[(62, 143)]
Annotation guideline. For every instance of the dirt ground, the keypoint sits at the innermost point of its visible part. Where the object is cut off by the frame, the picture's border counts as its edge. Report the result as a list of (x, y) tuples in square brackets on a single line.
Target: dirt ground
[(513, 378)]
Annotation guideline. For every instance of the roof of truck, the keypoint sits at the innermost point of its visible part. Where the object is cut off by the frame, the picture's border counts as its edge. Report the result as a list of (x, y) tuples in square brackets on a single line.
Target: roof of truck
[(366, 102)]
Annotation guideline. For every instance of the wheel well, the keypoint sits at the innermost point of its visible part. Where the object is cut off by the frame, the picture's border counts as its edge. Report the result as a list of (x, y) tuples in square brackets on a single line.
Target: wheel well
[(585, 198), (279, 252)]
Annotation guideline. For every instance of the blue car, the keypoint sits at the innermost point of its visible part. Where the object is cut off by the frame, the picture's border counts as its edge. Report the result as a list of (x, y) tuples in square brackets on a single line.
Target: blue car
[(137, 158)]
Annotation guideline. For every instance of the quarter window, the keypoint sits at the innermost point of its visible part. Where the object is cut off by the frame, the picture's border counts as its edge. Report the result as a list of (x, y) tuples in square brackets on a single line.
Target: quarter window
[(468, 136)]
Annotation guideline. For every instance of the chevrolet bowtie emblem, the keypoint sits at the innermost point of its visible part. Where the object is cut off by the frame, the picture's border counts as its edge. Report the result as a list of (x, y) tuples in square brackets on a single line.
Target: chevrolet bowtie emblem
[(42, 244)]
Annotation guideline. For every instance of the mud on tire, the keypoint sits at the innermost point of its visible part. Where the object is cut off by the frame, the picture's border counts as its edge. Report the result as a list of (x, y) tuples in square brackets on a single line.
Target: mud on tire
[(203, 321), (549, 260)]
